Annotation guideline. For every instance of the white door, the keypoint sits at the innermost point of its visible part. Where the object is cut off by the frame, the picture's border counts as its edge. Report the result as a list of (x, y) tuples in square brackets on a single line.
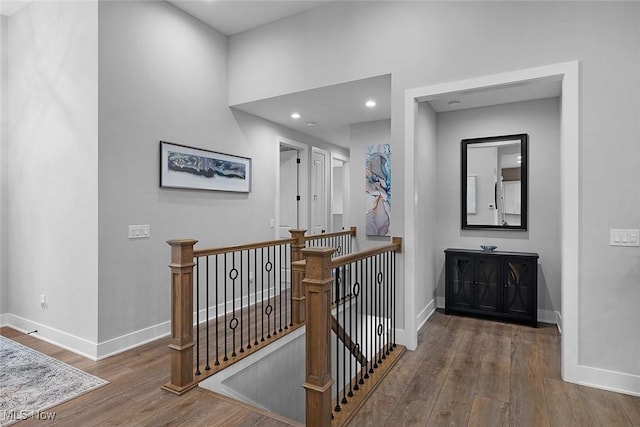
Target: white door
[(318, 192), (289, 204)]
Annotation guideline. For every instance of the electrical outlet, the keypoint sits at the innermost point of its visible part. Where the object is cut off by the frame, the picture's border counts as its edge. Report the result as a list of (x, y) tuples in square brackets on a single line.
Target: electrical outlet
[(139, 231)]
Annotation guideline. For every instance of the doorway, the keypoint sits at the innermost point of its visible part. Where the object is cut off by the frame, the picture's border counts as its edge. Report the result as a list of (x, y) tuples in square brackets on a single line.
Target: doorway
[(319, 185), (291, 187), (339, 192), (569, 183)]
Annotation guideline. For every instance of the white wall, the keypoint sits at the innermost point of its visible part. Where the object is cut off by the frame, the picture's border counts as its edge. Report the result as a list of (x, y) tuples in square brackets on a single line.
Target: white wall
[(424, 43), (3, 166), (53, 173), (540, 119)]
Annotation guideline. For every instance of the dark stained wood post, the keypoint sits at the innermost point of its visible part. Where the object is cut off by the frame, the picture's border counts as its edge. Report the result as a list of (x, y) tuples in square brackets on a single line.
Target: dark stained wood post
[(181, 316), (317, 284), (298, 311)]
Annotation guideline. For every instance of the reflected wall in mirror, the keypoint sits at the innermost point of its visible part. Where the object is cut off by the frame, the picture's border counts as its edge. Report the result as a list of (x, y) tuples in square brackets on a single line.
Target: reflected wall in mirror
[(494, 182)]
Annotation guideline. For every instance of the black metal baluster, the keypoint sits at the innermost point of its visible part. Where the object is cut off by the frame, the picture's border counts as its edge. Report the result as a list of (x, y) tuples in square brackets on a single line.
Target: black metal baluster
[(344, 337), (249, 299), (352, 331), (388, 301), (262, 307), (255, 296), (268, 268), (207, 368), (385, 306), (393, 297), (289, 278), (280, 286), (376, 300), (217, 362), (356, 296), (197, 316), (242, 273), (363, 344), (225, 358), (366, 282), (337, 302), (233, 323)]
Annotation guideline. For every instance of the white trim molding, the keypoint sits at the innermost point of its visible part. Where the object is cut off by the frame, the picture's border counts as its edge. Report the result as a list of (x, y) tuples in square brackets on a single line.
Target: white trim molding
[(609, 380)]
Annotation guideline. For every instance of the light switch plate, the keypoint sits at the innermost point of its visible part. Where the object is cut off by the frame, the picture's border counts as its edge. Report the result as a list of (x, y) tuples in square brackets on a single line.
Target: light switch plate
[(624, 237), (139, 231)]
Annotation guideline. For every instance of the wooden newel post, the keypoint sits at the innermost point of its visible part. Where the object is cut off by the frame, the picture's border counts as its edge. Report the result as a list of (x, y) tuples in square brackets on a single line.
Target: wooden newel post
[(181, 316), (317, 284), (298, 312)]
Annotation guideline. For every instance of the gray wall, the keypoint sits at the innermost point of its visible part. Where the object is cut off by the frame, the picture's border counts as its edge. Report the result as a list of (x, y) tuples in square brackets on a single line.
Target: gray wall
[(163, 76), (539, 119), (426, 43)]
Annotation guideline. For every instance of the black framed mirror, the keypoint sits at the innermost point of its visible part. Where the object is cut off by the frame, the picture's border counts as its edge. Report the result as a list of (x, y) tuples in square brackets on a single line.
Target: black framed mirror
[(494, 182)]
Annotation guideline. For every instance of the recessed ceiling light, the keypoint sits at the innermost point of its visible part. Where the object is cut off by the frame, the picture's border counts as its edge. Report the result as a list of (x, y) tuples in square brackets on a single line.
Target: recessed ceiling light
[(455, 102), (295, 115), (311, 123), (370, 103)]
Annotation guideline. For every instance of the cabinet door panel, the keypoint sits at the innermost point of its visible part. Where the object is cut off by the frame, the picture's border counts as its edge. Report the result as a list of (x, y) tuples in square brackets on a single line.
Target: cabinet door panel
[(462, 282), (518, 286), (487, 277)]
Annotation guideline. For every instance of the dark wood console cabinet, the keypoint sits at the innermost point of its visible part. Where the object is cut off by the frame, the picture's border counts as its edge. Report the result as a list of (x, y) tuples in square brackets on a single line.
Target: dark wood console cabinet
[(498, 284)]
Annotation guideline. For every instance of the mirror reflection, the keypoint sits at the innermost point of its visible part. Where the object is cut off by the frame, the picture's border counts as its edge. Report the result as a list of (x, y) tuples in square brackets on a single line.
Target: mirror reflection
[(494, 182)]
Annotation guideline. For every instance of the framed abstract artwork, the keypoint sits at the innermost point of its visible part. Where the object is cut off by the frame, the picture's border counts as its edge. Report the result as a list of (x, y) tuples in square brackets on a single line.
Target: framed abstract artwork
[(378, 189), (195, 168)]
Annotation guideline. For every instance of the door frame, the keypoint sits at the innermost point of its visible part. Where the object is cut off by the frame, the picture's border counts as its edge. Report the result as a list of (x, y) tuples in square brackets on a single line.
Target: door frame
[(346, 192), (327, 183), (569, 73), (303, 188)]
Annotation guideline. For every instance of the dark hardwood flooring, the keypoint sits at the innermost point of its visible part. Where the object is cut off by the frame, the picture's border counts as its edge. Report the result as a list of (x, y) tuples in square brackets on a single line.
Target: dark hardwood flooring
[(465, 372)]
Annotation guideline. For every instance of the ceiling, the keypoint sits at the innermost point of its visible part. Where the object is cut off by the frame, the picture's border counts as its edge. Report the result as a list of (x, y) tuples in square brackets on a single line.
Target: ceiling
[(328, 112), (332, 109), (234, 16)]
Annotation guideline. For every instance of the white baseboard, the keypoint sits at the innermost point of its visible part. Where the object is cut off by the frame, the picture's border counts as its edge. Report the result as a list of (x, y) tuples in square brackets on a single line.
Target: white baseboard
[(559, 321), (425, 314), (113, 346), (53, 336), (440, 302), (131, 340), (609, 380)]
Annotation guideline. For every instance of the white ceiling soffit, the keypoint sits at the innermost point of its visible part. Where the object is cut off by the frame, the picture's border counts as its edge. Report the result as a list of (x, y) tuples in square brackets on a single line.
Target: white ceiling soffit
[(234, 16), (505, 94), (328, 112), (9, 7)]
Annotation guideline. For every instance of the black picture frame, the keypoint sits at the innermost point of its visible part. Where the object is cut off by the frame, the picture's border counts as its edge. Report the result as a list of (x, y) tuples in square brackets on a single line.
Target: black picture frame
[(194, 168), (465, 145)]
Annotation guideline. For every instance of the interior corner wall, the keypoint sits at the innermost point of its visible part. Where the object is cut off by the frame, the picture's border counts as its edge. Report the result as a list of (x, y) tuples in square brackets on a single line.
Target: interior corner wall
[(425, 168), (3, 168), (52, 201), (540, 119)]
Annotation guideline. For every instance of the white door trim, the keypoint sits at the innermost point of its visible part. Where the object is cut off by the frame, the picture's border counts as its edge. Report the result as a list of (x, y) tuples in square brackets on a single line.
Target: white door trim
[(569, 72), (347, 193)]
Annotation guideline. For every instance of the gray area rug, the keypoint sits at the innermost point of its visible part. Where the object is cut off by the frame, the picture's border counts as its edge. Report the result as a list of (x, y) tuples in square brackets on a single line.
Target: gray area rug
[(31, 383)]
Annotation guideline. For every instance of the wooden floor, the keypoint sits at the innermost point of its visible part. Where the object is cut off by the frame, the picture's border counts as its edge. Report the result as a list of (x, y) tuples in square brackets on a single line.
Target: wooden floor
[(471, 372), (465, 372)]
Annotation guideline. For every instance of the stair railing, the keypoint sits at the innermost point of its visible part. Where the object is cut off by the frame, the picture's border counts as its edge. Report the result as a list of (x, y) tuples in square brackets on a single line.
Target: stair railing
[(245, 297), (351, 309)]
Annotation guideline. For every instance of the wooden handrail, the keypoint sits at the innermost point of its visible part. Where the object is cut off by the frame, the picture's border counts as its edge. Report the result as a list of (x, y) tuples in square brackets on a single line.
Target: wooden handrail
[(350, 232), (237, 248), (396, 245)]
